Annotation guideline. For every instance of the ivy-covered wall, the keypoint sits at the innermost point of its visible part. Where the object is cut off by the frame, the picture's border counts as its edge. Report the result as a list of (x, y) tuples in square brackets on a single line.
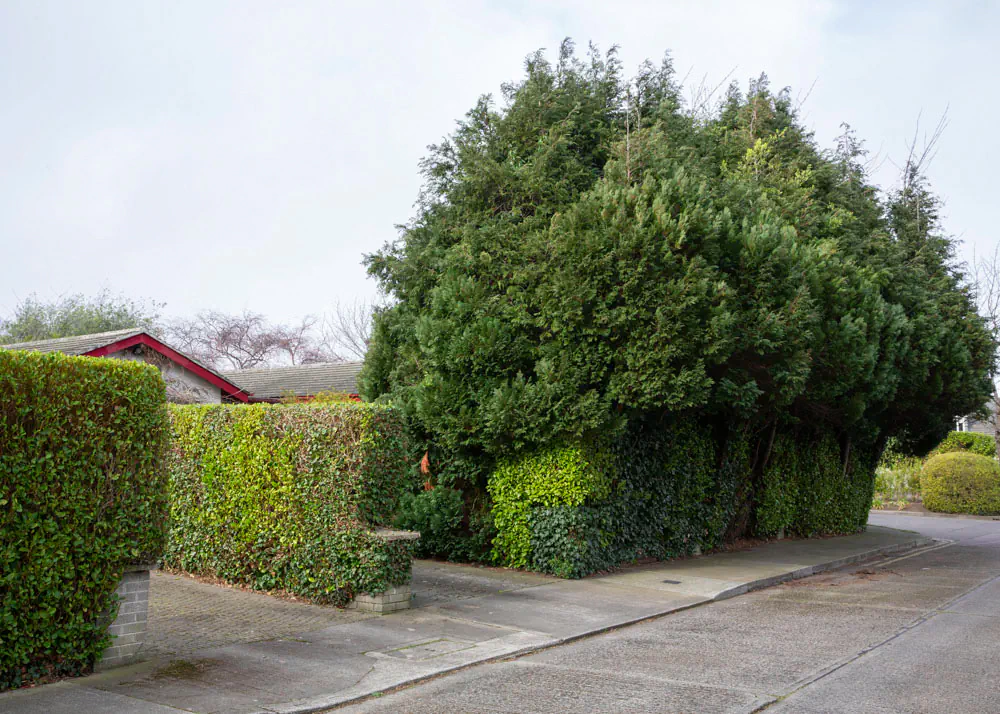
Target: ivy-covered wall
[(82, 495), (667, 490), (284, 497)]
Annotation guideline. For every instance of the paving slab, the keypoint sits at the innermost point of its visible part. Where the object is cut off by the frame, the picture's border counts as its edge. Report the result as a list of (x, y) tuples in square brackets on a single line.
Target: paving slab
[(463, 616), (569, 608)]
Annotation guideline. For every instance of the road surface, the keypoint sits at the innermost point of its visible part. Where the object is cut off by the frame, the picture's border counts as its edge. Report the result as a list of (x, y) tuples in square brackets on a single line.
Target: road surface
[(920, 633)]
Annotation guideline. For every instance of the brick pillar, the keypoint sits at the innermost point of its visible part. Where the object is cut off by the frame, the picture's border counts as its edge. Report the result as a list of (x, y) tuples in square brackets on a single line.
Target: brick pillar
[(129, 627), (396, 597)]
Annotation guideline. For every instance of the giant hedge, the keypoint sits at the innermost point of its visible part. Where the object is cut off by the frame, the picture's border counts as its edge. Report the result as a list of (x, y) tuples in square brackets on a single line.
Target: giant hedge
[(288, 497), (599, 276), (82, 495)]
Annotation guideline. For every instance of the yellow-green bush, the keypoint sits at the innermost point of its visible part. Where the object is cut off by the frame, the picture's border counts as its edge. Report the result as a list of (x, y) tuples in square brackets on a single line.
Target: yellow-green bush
[(960, 482), (285, 496), (565, 475), (970, 441), (82, 495)]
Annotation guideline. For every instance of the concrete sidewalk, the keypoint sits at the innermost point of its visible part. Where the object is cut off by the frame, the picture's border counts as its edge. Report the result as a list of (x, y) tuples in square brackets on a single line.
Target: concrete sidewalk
[(462, 616)]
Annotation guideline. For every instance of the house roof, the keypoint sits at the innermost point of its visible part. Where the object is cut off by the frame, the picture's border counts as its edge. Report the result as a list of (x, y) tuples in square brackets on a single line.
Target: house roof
[(79, 345), (302, 380), (101, 344)]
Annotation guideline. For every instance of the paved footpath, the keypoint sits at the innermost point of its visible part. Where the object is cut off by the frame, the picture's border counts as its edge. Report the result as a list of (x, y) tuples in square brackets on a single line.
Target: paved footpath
[(466, 616)]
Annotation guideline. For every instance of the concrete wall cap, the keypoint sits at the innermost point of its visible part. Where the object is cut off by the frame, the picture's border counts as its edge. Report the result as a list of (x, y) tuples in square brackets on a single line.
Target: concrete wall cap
[(138, 567), (389, 534)]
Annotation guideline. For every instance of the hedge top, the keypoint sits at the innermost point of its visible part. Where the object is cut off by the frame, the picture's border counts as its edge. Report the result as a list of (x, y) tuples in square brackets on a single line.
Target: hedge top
[(970, 441), (70, 421)]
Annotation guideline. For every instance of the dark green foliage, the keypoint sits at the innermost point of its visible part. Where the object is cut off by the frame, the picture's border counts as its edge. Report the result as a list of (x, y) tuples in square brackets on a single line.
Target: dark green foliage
[(961, 482), (592, 257), (82, 494), (967, 441), (665, 490), (437, 515), (285, 497), (808, 491), (34, 319)]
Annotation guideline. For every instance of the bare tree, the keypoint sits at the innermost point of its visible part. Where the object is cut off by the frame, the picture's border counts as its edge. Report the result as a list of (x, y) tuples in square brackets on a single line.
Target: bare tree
[(348, 329), (987, 276), (226, 341), (299, 344), (920, 153)]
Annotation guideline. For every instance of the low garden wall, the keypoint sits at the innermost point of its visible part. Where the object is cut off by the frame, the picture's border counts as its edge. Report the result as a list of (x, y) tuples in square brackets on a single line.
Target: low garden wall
[(82, 497), (289, 497)]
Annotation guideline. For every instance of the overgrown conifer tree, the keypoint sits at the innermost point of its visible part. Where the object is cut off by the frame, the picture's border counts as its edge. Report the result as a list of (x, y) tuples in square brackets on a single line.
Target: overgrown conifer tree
[(594, 254)]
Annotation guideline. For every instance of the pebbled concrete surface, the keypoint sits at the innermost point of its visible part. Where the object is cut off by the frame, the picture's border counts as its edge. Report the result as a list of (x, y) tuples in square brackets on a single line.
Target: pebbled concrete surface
[(473, 615), (920, 633)]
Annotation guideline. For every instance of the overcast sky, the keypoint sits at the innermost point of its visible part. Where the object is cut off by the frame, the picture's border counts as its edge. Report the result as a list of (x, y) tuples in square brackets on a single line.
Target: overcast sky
[(233, 155)]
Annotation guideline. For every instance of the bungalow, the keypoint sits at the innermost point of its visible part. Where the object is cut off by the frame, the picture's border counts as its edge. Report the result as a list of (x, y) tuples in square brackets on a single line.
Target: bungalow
[(971, 423), (303, 382), (188, 381)]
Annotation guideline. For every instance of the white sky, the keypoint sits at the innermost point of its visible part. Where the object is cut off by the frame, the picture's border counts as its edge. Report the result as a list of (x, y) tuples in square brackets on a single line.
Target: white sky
[(242, 154)]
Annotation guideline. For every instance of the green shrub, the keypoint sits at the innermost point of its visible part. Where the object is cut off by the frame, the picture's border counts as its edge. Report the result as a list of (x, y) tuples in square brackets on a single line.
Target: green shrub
[(807, 491), (82, 494), (664, 491), (656, 491), (671, 497), (284, 496), (899, 481), (438, 516), (967, 441), (962, 482), (565, 475)]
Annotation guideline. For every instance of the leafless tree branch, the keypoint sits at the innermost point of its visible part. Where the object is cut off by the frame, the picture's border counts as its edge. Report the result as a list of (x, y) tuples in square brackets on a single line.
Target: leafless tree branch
[(247, 340), (987, 286), (347, 330)]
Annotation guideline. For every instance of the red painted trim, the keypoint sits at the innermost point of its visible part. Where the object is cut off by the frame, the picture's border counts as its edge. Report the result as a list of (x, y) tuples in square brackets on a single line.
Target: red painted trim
[(154, 344)]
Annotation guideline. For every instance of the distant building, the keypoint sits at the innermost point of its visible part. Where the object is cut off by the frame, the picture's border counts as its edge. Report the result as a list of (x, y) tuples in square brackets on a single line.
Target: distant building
[(188, 381), (303, 382), (987, 426)]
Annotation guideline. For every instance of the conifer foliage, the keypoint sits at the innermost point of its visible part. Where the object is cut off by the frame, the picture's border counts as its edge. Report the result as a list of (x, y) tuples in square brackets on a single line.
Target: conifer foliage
[(594, 254)]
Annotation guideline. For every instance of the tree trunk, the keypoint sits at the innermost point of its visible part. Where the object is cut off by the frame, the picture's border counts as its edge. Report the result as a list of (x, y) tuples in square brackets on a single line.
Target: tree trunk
[(996, 423)]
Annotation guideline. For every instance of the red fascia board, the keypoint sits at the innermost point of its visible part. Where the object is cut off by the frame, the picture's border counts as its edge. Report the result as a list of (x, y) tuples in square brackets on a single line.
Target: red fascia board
[(154, 344)]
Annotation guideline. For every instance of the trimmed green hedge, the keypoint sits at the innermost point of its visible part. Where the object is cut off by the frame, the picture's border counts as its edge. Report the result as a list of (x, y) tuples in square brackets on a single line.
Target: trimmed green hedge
[(664, 491), (550, 485), (82, 494), (970, 441), (961, 482), (807, 491), (283, 497)]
